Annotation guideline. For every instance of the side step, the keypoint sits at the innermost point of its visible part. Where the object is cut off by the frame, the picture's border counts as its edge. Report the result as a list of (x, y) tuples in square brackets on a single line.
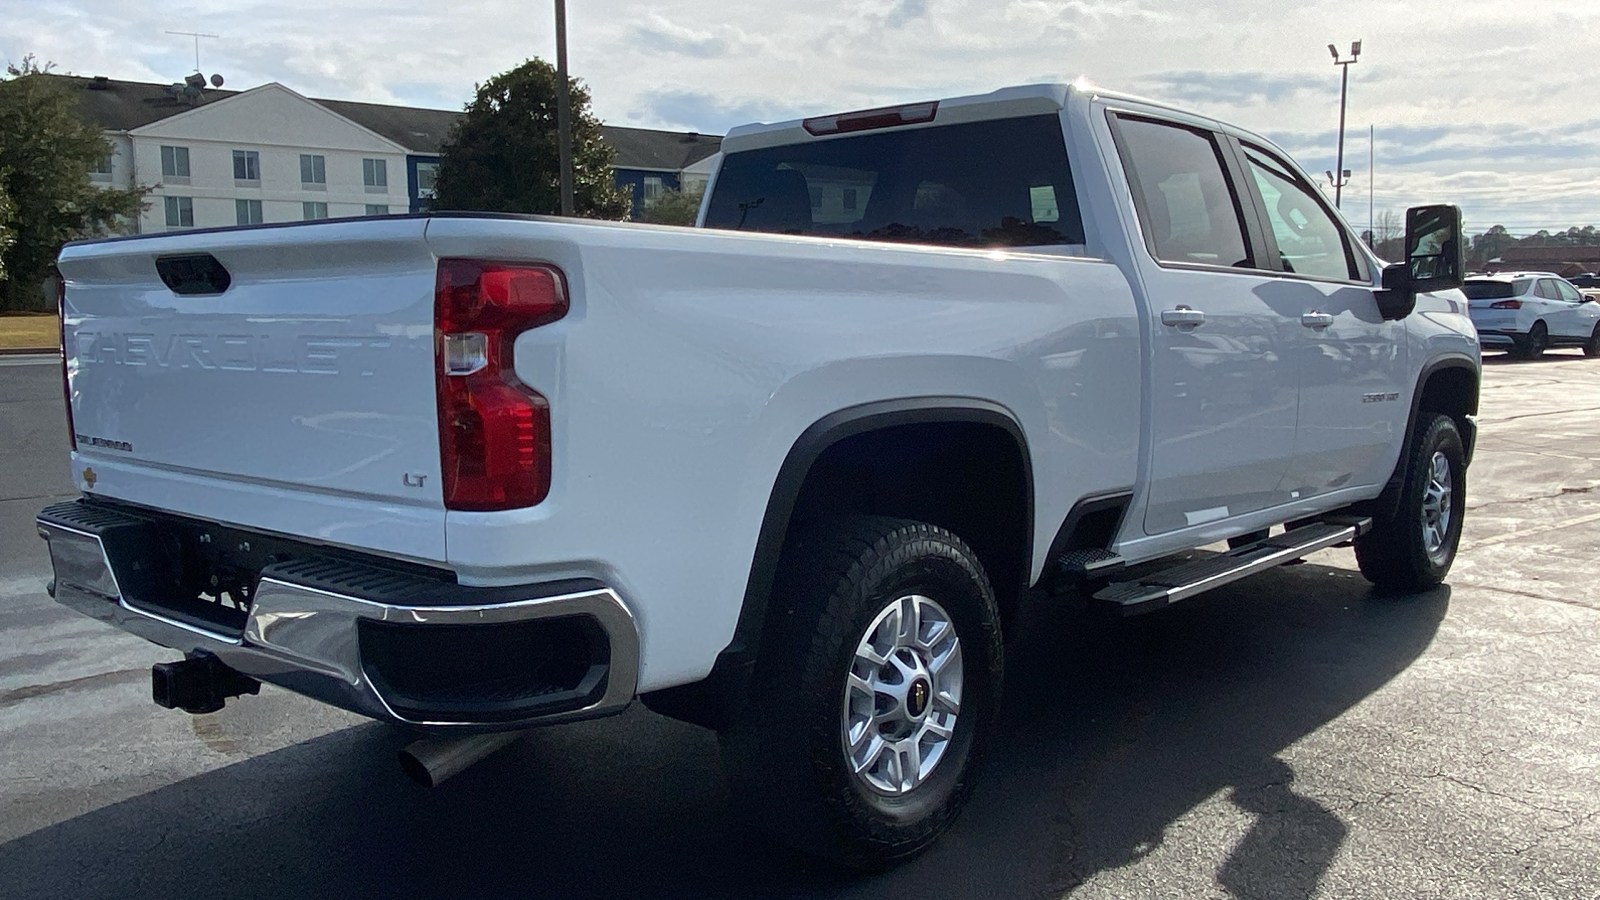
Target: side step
[(1088, 564), (1164, 588)]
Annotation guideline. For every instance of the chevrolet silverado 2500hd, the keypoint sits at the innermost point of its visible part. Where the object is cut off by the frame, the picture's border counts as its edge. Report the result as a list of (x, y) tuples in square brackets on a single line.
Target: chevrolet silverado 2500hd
[(786, 475)]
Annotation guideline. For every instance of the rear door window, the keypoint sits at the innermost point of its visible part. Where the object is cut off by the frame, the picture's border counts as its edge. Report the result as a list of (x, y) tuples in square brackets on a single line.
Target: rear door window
[(1004, 182), (1187, 207)]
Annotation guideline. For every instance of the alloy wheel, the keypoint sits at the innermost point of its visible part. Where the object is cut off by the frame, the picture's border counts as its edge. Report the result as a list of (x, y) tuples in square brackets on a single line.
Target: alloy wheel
[(902, 696)]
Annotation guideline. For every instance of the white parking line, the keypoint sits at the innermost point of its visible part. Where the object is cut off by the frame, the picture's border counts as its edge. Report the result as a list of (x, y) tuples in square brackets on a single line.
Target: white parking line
[(1529, 532)]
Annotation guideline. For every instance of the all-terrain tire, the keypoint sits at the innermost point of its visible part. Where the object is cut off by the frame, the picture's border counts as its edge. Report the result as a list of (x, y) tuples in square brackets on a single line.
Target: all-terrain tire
[(1537, 341), (1413, 550), (795, 755)]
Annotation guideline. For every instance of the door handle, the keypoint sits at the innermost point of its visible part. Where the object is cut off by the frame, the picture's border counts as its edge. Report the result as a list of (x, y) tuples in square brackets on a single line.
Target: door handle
[(1316, 320), (1182, 317)]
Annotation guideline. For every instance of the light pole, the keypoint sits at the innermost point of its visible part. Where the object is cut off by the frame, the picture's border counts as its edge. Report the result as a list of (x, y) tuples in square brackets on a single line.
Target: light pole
[(1344, 86), (564, 110)]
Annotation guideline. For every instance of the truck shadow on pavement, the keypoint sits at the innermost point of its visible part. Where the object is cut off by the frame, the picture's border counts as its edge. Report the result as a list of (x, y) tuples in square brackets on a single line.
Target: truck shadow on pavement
[(1112, 732)]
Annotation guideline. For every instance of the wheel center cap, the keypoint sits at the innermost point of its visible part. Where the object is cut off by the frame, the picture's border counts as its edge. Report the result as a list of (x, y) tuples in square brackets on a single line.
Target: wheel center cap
[(917, 698)]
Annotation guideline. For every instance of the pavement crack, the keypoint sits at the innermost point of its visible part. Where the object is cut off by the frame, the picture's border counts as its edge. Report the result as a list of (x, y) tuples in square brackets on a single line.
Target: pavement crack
[(1532, 596), (1548, 412), (1441, 774), (1514, 501), (28, 692), (1552, 832)]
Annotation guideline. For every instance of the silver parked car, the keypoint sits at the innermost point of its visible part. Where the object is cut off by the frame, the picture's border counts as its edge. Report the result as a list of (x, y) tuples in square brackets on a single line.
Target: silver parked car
[(1526, 313)]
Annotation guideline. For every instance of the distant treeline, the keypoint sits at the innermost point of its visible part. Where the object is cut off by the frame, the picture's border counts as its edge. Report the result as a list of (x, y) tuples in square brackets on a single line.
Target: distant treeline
[(1491, 244)]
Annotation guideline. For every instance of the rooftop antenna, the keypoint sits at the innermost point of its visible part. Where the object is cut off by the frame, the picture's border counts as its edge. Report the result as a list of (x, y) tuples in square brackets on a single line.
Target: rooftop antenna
[(197, 35)]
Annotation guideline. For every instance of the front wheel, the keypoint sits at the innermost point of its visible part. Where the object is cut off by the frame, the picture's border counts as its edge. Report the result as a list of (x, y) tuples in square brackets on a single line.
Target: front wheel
[(1591, 348), (1413, 550), (874, 694)]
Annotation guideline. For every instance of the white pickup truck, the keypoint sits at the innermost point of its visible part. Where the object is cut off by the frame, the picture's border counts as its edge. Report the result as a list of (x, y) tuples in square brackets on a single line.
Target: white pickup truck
[(787, 475)]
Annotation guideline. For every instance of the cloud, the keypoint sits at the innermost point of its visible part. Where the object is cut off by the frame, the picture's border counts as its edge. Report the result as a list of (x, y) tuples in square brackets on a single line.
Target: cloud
[(1231, 88), (664, 36), (905, 11), (704, 112), (1454, 103)]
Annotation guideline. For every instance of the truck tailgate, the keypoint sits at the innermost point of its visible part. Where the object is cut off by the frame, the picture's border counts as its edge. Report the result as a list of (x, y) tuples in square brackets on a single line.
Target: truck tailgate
[(301, 398)]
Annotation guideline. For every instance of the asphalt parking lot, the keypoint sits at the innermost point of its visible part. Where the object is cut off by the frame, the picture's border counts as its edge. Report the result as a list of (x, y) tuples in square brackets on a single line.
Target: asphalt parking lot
[(1289, 736)]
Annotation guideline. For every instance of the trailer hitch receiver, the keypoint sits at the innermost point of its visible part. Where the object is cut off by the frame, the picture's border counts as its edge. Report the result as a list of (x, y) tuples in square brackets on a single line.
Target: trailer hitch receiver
[(198, 684)]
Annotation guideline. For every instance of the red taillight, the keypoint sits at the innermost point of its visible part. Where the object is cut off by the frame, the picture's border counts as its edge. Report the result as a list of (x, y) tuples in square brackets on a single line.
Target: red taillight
[(868, 119), (66, 383), (494, 431), (1506, 304)]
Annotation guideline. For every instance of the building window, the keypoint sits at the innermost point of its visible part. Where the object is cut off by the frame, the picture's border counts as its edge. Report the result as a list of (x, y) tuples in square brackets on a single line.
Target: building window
[(102, 169), (375, 173), (248, 211), (314, 210), (246, 165), (180, 212), (653, 187), (377, 209), (313, 169), (175, 162), (427, 176)]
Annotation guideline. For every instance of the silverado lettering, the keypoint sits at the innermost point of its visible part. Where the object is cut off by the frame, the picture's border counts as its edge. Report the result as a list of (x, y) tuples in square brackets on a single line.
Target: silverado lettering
[(303, 354)]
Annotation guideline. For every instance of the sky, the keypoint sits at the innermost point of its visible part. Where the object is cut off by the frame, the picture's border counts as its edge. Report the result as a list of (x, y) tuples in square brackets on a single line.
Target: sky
[(1491, 105)]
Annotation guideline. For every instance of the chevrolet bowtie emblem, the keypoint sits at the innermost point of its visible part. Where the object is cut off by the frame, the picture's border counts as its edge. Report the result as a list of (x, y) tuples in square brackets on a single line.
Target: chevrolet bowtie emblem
[(89, 477)]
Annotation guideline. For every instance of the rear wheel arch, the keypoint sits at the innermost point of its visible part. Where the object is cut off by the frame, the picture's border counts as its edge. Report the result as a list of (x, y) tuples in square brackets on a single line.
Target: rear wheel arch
[(985, 456)]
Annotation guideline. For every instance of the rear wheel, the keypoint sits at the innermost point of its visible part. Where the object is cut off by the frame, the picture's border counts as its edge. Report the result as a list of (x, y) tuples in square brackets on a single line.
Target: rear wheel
[(1413, 550), (874, 693), (1537, 342)]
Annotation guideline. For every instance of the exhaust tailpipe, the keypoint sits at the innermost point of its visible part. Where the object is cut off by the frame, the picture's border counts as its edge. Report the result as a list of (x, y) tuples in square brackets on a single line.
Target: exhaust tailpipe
[(431, 760)]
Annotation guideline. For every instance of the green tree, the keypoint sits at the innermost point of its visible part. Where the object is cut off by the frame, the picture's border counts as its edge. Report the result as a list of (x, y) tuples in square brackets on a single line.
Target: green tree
[(46, 155), (8, 218), (1492, 244), (673, 207), (504, 155)]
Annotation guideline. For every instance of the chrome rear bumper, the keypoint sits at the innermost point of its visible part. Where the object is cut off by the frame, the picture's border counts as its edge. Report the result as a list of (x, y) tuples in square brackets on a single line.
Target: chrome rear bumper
[(316, 624)]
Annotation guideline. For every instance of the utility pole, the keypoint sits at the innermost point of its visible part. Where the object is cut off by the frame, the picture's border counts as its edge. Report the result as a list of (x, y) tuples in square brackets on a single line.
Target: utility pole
[(564, 110), (1344, 87), (1372, 156)]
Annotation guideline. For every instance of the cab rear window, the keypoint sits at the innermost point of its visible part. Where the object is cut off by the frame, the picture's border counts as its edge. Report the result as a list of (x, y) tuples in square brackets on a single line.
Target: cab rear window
[(981, 184)]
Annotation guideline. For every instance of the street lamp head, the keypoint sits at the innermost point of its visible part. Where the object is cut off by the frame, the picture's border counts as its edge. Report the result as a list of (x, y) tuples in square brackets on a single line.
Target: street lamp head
[(1355, 49), (1334, 51)]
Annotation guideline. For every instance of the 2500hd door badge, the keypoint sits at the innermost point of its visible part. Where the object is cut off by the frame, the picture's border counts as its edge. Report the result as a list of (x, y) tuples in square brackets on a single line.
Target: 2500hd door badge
[(92, 441)]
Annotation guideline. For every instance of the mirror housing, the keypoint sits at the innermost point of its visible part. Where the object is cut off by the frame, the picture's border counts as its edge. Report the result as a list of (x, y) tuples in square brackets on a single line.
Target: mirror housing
[(1436, 259)]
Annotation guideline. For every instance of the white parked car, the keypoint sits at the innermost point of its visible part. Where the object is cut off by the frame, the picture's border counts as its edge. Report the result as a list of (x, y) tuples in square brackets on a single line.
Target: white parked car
[(1526, 313)]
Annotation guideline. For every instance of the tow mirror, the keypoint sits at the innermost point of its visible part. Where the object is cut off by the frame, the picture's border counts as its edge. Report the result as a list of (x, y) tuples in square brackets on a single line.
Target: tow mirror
[(1435, 259)]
